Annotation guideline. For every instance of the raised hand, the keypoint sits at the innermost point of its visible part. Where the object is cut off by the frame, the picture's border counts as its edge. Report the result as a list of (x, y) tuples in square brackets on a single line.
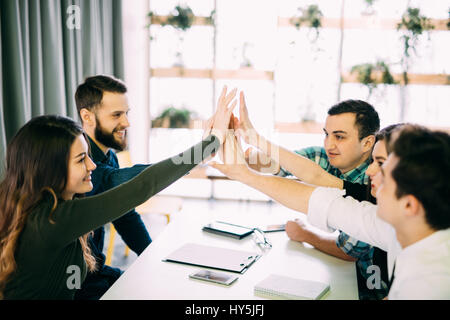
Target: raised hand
[(207, 126), (221, 118), (234, 166), (260, 161), (244, 127)]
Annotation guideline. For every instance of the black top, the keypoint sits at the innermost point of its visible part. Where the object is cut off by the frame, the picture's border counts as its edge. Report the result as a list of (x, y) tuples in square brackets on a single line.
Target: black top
[(357, 191), (361, 192)]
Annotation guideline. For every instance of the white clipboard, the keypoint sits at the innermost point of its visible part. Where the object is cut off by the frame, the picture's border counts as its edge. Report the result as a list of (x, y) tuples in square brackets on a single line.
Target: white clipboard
[(213, 257)]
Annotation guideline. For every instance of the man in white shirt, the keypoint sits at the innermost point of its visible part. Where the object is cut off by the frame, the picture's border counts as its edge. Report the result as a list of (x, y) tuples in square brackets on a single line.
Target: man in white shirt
[(411, 221)]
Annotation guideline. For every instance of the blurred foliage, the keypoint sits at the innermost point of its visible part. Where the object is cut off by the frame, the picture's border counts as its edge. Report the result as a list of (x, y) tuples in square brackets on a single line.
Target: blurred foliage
[(413, 25), (367, 72), (311, 16), (172, 117)]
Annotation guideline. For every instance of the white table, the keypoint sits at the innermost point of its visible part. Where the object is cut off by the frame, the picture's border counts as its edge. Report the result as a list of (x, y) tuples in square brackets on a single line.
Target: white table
[(151, 278)]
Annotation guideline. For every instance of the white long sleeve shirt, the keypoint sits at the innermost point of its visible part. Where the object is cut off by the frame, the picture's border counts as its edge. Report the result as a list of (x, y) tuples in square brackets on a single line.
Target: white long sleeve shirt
[(422, 270)]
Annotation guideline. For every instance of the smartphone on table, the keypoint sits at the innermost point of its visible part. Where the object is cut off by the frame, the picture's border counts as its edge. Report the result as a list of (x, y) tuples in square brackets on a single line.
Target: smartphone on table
[(214, 276)]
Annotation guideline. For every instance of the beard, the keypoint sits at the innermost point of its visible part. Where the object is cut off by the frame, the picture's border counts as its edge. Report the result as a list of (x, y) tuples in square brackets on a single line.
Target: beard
[(107, 138)]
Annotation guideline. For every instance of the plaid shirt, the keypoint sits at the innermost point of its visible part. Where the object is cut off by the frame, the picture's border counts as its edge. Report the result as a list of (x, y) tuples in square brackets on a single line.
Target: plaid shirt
[(362, 251), (319, 156)]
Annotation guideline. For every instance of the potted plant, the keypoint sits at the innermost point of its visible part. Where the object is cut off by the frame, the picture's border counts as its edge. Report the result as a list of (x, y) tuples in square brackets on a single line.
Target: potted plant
[(311, 17), (413, 25), (448, 23), (181, 19), (371, 75), (172, 117)]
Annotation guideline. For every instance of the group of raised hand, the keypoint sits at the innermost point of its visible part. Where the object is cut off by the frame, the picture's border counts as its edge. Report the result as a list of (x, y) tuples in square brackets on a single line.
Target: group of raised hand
[(236, 163), (229, 129)]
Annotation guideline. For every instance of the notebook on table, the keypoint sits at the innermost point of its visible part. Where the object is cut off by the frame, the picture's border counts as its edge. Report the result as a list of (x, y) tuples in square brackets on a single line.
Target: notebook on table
[(282, 287)]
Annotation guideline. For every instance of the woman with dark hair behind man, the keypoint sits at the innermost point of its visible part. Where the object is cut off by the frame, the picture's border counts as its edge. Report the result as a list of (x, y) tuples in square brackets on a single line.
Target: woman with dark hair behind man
[(297, 230)]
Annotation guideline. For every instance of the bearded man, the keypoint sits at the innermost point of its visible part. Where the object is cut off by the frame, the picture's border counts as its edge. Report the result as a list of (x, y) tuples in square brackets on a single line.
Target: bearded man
[(102, 105)]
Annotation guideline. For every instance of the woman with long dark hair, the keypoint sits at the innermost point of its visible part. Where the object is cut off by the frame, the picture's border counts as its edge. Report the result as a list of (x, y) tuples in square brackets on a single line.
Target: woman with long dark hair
[(43, 222)]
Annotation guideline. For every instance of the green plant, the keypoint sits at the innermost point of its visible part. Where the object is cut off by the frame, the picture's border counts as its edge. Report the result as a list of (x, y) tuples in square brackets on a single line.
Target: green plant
[(311, 16), (369, 2), (448, 22), (212, 18), (181, 18), (414, 25), (369, 7), (172, 117), (367, 74), (246, 63)]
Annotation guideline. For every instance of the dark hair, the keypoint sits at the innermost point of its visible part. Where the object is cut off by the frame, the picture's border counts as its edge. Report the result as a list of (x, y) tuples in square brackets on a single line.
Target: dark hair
[(38, 154), (385, 135), (36, 168), (367, 120), (423, 171), (90, 93)]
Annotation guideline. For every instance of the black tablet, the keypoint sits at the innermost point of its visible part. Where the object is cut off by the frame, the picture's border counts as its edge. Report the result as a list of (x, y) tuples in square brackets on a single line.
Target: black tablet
[(226, 229)]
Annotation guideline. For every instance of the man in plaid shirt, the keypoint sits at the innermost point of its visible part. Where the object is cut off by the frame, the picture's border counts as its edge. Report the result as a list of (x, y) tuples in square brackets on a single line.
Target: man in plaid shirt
[(349, 130), (349, 137)]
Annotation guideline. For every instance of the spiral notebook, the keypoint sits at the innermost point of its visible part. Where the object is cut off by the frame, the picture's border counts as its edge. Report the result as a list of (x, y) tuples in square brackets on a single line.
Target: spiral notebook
[(282, 287)]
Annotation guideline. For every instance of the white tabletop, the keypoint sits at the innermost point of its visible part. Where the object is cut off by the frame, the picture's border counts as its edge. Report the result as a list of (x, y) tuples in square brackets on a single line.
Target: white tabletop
[(151, 278)]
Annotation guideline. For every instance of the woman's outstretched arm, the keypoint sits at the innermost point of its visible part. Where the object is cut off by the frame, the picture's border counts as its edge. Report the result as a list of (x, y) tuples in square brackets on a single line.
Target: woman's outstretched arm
[(74, 218)]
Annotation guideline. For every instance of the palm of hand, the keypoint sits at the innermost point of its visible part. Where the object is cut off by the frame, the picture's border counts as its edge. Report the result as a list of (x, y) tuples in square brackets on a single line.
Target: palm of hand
[(244, 127), (232, 156)]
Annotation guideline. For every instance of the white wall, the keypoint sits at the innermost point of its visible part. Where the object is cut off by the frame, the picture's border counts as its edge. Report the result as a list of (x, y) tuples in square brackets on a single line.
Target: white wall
[(136, 56)]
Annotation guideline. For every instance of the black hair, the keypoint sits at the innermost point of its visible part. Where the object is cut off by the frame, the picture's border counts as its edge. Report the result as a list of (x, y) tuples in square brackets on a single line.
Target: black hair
[(423, 171), (90, 93), (385, 135), (366, 120)]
